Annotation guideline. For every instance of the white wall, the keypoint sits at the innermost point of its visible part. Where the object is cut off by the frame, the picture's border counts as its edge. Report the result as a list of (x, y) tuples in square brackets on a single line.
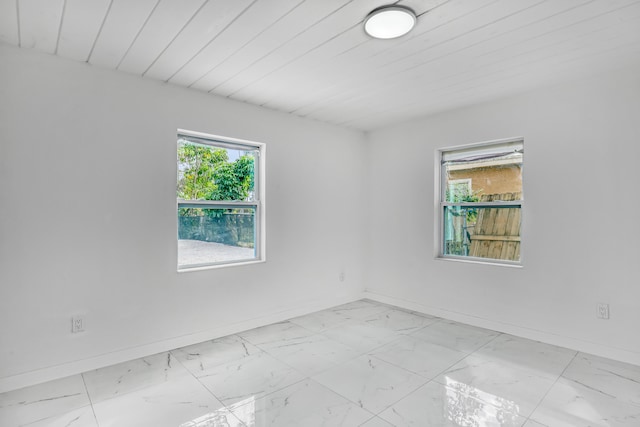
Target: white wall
[(581, 242), (88, 218), (87, 222)]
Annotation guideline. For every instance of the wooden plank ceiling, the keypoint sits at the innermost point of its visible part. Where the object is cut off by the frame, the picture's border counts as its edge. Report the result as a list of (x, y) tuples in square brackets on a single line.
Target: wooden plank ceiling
[(312, 58)]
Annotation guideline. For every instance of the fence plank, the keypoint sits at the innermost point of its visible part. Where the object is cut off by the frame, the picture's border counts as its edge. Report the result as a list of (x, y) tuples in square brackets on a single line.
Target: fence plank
[(496, 238), (497, 230)]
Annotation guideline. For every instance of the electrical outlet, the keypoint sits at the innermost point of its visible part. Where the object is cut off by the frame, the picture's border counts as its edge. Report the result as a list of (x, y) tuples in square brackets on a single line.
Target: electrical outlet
[(77, 324), (603, 311), (341, 276)]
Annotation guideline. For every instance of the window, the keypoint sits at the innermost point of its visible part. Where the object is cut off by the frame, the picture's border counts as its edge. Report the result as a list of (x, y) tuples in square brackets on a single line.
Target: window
[(220, 193), (480, 201)]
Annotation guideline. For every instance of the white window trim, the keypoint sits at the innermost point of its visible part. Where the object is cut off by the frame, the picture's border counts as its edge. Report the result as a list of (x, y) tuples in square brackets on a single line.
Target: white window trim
[(439, 205), (258, 204)]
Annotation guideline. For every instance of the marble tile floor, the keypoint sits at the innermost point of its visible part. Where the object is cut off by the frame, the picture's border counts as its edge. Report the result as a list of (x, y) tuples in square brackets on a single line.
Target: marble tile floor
[(359, 364)]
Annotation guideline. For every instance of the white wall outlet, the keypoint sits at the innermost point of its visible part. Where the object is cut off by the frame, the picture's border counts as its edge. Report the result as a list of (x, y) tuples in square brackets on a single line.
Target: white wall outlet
[(341, 276), (603, 311), (77, 324)]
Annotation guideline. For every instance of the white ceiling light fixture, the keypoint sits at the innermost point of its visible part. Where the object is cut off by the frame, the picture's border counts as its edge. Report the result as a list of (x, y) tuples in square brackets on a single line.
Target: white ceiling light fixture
[(389, 22)]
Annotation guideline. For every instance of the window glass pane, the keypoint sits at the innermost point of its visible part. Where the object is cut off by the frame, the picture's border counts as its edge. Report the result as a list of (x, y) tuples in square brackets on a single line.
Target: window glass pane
[(215, 235), (481, 178), (482, 232), (208, 172)]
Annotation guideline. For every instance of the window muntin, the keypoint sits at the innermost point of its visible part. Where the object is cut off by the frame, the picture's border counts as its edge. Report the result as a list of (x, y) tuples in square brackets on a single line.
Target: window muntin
[(219, 201), (480, 202)]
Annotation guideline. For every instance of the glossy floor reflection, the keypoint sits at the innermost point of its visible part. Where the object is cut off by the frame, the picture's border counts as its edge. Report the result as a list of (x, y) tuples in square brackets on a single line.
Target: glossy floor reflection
[(359, 364)]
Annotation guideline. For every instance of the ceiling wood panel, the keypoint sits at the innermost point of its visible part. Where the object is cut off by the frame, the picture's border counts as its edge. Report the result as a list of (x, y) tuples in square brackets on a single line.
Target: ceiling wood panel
[(497, 88), (251, 24), (462, 53), (527, 72), (450, 63), (40, 24), (290, 26), (9, 22), (163, 25), (311, 58), (209, 22), (80, 25), (120, 28), (322, 32), (349, 43), (446, 14), (443, 42), (313, 75)]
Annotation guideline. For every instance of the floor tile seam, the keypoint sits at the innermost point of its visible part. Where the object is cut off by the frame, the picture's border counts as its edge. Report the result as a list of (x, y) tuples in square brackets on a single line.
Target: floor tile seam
[(196, 373), (525, 370), (490, 341), (264, 396), (367, 420), (529, 417), (413, 334), (490, 358), (364, 318), (358, 353), (259, 345), (396, 331), (377, 316), (473, 352), (529, 340), (592, 361), (24, 402), (86, 389), (342, 396), (419, 374), (427, 380), (266, 350), (435, 378), (275, 357), (136, 389), (437, 381), (205, 387), (110, 397), (304, 327), (399, 367), (359, 350), (607, 373), (437, 321), (517, 367), (396, 338), (444, 371), (401, 398), (56, 414), (340, 319), (620, 401), (302, 378), (297, 369)]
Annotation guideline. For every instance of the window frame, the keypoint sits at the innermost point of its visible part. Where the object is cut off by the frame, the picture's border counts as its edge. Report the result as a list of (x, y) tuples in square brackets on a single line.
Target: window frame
[(258, 202), (440, 204)]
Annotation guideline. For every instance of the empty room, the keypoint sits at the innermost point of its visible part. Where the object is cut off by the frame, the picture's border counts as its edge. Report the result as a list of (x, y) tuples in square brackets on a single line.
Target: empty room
[(248, 213)]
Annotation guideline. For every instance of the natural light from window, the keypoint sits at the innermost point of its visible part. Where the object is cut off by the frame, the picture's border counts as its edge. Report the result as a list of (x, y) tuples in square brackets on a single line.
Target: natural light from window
[(481, 201), (219, 201)]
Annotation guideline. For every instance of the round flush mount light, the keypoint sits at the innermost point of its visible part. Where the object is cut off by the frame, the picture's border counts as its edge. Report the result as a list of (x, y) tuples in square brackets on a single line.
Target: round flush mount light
[(389, 22)]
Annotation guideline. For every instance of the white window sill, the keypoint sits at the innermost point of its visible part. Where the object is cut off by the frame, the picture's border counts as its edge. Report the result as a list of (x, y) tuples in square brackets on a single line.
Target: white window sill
[(483, 261), (215, 266)]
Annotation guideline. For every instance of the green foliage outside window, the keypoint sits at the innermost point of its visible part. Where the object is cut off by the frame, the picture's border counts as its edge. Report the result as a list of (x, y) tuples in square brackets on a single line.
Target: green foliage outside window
[(205, 173), (462, 194)]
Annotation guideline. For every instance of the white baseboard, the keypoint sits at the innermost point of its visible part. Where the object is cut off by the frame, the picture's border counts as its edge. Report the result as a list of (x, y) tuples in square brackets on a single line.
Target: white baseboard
[(38, 376), (619, 354)]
